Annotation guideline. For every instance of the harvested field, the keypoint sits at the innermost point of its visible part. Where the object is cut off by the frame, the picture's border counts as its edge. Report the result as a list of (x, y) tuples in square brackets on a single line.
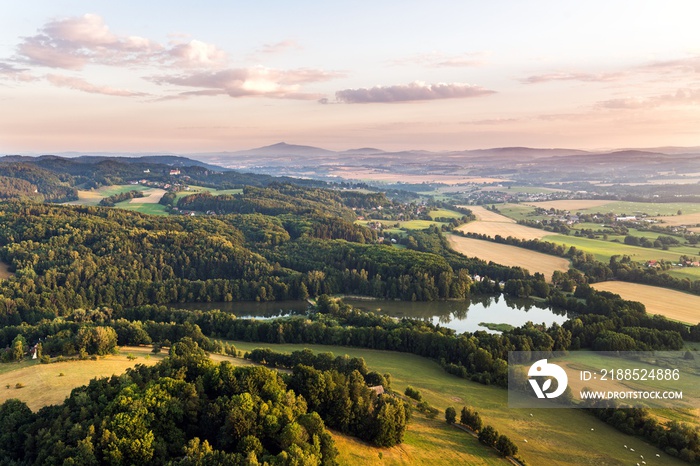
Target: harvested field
[(677, 220), (4, 271), (673, 304), (492, 224), (570, 204), (43, 384), (509, 255), (152, 196)]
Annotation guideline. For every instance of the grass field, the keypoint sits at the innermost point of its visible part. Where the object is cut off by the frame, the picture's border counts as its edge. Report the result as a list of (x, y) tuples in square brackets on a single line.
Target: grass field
[(4, 271), (427, 441), (691, 273), (518, 211), (570, 204), (649, 208), (509, 255), (94, 196), (603, 250), (150, 209), (554, 436), (44, 385), (492, 224), (198, 189), (389, 225), (673, 304)]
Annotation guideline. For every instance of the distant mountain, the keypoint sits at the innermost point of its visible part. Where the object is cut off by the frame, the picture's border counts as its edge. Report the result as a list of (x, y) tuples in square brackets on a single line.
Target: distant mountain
[(529, 152), (362, 151), (284, 149)]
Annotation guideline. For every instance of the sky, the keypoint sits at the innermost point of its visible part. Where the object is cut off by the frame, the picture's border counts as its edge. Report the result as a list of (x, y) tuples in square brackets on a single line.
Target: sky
[(212, 76)]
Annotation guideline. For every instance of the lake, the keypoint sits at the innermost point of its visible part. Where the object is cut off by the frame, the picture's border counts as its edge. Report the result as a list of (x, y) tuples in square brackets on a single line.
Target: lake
[(461, 316), (465, 316)]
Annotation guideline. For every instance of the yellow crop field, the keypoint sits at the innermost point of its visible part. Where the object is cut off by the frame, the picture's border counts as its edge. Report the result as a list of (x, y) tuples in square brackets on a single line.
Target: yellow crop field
[(152, 196), (492, 224), (677, 220), (673, 304), (509, 255), (570, 204)]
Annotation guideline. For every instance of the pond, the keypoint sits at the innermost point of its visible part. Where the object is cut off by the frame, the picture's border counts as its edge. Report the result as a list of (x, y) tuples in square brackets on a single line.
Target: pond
[(466, 316), (461, 316)]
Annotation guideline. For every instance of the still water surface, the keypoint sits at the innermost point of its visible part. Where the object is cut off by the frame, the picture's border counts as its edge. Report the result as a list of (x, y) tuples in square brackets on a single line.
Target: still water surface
[(462, 316)]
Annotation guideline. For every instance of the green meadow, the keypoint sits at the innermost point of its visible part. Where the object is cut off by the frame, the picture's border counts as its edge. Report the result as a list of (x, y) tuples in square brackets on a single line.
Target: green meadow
[(554, 436)]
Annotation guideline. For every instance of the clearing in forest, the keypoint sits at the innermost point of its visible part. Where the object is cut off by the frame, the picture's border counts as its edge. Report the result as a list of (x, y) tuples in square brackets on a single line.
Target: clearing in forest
[(509, 255), (676, 305)]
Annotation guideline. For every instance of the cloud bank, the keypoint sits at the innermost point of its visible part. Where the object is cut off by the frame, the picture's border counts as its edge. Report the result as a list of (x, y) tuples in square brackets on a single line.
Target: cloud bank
[(256, 81), (84, 86), (414, 91)]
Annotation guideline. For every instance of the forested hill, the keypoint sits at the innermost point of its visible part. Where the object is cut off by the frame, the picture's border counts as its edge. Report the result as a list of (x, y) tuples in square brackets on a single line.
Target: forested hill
[(57, 178), (305, 243)]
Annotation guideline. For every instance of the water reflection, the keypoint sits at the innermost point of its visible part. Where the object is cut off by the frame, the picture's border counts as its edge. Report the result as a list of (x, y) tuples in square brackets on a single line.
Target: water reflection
[(461, 316), (465, 316)]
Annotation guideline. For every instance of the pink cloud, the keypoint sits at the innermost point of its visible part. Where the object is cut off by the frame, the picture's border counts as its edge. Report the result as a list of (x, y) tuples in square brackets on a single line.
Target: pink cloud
[(680, 97), (196, 53), (258, 81), (84, 86), (414, 91), (73, 43), (441, 60), (687, 65), (279, 47), (585, 77), (15, 74)]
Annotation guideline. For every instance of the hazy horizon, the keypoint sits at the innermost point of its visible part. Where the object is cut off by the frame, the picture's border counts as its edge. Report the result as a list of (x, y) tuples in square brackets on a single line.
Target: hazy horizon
[(181, 78)]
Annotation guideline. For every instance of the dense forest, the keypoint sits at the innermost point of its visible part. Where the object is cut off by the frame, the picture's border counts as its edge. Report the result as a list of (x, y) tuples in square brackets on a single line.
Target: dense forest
[(186, 411), (86, 279)]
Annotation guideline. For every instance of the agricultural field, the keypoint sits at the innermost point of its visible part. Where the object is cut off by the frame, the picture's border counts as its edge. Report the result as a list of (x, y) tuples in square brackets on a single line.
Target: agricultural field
[(573, 205), (672, 304), (390, 226), (44, 385), (653, 209), (518, 211), (509, 255), (492, 224), (554, 436), (604, 250), (150, 208), (445, 213), (94, 196), (691, 273), (198, 189), (524, 189), (678, 220)]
